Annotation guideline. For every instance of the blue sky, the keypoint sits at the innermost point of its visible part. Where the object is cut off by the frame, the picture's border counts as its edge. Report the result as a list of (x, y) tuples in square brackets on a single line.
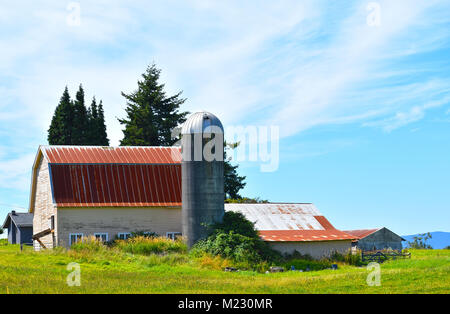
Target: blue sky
[(363, 110)]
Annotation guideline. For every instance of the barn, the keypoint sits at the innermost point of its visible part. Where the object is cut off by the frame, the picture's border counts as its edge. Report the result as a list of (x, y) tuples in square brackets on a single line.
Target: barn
[(295, 227), (376, 239), (20, 227), (109, 192)]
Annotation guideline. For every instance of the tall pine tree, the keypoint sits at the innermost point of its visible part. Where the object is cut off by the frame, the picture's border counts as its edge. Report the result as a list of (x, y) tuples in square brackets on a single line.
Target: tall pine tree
[(61, 127), (151, 115), (80, 119), (102, 137), (73, 124), (97, 127)]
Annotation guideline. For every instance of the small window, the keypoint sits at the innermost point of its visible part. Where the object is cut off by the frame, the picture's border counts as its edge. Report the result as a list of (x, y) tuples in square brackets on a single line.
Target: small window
[(101, 236), (124, 235), (173, 235), (75, 237)]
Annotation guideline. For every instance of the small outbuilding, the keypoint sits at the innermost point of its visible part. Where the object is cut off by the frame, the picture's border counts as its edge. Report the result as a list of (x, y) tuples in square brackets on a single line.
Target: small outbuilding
[(20, 227), (300, 227), (376, 239)]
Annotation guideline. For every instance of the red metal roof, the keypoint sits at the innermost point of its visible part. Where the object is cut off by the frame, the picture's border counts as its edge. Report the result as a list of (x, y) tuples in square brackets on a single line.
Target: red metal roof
[(116, 185), (359, 234), (111, 155), (303, 235)]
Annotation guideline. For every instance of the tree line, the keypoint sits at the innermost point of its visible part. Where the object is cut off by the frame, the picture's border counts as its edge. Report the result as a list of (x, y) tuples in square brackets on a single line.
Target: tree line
[(74, 124), (151, 115)]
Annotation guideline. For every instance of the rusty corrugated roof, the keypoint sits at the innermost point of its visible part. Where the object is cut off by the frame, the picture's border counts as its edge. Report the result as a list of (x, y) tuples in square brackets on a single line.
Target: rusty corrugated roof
[(95, 176), (289, 222), (303, 235), (116, 185), (279, 216), (362, 233), (111, 155)]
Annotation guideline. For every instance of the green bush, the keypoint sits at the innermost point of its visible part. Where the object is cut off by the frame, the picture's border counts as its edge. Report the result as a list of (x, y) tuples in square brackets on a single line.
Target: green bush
[(348, 258), (148, 245), (88, 244), (3, 242), (236, 239), (145, 234)]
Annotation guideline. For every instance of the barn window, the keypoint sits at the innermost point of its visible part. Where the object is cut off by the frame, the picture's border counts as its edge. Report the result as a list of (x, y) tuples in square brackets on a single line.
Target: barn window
[(101, 236), (124, 235), (173, 235), (75, 237)]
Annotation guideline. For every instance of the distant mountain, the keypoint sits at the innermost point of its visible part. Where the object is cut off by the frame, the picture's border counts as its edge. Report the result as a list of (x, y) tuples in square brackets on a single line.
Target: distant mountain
[(440, 239)]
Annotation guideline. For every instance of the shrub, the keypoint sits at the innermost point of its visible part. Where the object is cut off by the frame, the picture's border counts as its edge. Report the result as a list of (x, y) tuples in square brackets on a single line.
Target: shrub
[(348, 258), (145, 234), (236, 239), (88, 244), (3, 242), (151, 245), (237, 223)]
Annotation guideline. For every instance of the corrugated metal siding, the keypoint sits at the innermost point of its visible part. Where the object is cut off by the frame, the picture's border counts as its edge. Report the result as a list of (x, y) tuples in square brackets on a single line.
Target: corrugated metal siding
[(361, 233), (109, 155), (280, 216), (289, 222), (116, 185)]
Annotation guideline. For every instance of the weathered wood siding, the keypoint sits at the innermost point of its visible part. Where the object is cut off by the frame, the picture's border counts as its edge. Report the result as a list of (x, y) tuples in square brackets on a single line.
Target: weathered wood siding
[(380, 240), (116, 220), (43, 206), (317, 249)]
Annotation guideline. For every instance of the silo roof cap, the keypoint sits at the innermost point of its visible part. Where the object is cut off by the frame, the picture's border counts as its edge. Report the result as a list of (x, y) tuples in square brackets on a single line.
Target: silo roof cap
[(202, 122)]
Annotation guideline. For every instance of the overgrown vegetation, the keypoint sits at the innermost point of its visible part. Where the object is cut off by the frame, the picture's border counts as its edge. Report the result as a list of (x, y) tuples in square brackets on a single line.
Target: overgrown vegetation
[(236, 239), (246, 200), (111, 270), (151, 245)]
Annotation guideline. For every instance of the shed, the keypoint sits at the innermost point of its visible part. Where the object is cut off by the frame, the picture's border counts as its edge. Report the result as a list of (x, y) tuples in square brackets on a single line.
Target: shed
[(290, 227), (376, 239), (20, 227)]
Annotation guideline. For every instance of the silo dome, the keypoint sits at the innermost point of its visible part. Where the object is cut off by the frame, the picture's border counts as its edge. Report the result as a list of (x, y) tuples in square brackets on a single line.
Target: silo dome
[(202, 122)]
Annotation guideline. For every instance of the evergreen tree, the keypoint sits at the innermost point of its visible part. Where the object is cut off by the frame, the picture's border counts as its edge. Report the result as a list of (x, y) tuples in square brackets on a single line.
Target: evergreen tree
[(151, 115), (233, 183), (102, 136), (61, 127), (80, 120)]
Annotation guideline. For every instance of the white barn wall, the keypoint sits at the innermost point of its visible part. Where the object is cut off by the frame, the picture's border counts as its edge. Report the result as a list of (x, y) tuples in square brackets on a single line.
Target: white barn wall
[(116, 220), (43, 205), (316, 249)]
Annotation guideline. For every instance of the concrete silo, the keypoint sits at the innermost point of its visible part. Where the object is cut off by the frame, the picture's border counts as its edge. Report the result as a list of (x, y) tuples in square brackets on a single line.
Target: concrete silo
[(202, 174)]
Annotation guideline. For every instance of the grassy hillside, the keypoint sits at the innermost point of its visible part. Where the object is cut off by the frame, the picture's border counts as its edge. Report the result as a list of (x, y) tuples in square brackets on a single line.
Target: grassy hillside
[(45, 272)]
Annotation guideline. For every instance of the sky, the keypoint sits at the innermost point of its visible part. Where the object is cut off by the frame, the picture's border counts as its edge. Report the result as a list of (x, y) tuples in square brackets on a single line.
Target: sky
[(360, 92)]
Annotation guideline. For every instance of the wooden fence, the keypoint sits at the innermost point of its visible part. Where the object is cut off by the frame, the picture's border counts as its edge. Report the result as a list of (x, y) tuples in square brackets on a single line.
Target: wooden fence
[(381, 256)]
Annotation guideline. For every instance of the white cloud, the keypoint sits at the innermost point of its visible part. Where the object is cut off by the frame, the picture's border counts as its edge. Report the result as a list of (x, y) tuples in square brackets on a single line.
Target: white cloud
[(297, 64), (16, 173)]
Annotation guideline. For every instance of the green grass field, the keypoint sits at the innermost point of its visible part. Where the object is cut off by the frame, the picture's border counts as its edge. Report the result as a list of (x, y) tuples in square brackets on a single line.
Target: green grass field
[(428, 271)]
